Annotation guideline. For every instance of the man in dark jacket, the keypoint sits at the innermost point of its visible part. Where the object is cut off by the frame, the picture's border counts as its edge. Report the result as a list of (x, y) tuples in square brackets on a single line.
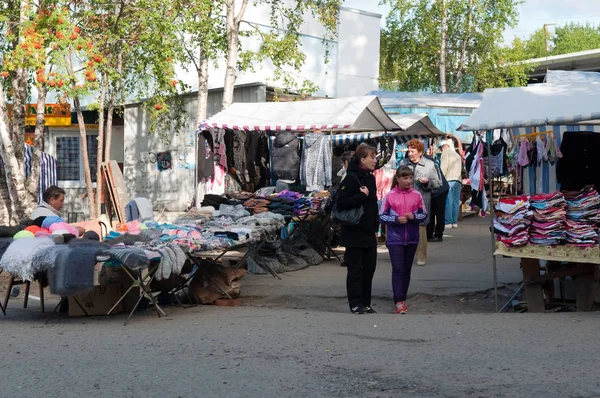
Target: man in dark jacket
[(360, 241)]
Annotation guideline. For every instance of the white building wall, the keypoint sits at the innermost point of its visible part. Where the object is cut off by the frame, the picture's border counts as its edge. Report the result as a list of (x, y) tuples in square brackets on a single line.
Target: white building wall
[(353, 61), (358, 53)]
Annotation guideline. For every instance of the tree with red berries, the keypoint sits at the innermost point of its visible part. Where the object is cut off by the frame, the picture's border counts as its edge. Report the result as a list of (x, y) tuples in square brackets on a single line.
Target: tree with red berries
[(41, 40)]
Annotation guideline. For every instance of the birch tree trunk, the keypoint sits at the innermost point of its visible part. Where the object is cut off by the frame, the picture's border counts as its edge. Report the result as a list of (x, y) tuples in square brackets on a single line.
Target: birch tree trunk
[(86, 160), (100, 155), (13, 136), (443, 85), (202, 111), (13, 169), (112, 100), (233, 39), (33, 181)]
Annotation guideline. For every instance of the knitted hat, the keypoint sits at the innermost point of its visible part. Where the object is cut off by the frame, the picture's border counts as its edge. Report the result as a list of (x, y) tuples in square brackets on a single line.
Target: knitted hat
[(23, 234), (33, 229), (64, 226), (51, 220), (91, 235), (38, 221), (41, 232)]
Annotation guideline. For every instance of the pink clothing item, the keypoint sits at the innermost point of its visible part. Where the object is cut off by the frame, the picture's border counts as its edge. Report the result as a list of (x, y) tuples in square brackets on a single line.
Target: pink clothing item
[(216, 186), (522, 157), (383, 181), (402, 201), (63, 226)]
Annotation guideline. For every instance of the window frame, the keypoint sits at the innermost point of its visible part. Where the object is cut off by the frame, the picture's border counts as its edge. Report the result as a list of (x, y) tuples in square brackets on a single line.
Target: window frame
[(71, 134)]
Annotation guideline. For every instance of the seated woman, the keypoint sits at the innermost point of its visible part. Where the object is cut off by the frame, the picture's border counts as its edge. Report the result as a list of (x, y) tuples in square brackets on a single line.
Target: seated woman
[(53, 200)]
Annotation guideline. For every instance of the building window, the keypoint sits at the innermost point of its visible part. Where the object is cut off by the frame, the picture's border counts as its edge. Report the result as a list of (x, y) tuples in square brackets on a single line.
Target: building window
[(92, 150), (70, 160), (67, 156)]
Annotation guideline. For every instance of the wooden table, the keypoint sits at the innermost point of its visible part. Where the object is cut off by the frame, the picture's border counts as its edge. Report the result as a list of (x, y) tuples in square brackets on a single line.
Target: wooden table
[(567, 260)]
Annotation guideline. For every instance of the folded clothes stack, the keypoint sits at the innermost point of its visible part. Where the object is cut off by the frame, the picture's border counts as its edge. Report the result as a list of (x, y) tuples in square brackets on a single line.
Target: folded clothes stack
[(548, 217), (256, 206), (511, 221), (583, 215)]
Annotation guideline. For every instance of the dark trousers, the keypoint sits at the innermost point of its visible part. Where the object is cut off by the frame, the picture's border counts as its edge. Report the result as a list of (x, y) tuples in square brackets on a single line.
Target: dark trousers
[(402, 258), (359, 280), (437, 218)]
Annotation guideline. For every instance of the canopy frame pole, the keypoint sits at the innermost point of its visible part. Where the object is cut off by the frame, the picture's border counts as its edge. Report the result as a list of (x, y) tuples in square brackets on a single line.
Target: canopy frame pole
[(489, 137)]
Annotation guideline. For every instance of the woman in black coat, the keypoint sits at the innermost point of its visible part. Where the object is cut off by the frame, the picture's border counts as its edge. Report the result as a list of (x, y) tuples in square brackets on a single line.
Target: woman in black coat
[(358, 189)]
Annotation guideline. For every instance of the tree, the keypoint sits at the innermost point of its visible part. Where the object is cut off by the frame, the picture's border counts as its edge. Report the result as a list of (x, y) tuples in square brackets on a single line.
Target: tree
[(281, 45), (33, 36), (565, 39), (204, 39), (471, 56), (575, 37), (539, 44)]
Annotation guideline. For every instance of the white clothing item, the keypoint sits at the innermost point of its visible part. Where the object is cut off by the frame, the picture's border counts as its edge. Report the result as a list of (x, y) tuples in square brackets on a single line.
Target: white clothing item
[(451, 165), (45, 210)]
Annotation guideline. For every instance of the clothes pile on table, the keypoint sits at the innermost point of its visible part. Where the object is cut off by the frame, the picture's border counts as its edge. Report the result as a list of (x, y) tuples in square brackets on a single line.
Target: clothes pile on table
[(548, 219), (511, 221), (583, 215), (287, 203), (70, 266)]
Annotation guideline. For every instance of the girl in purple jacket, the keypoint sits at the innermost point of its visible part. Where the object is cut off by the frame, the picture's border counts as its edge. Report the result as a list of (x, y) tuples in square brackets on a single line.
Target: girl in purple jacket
[(402, 210)]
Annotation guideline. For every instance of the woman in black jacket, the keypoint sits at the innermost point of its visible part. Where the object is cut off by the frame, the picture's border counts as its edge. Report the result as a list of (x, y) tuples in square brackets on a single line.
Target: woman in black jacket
[(358, 189)]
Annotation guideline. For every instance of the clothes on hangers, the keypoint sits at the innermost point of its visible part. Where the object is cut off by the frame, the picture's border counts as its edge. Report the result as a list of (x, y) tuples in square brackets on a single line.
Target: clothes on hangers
[(315, 167), (579, 165), (286, 156), (205, 160)]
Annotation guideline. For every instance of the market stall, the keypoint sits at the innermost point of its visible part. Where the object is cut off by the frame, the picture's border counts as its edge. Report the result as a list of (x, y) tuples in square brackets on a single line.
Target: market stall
[(555, 233), (271, 150)]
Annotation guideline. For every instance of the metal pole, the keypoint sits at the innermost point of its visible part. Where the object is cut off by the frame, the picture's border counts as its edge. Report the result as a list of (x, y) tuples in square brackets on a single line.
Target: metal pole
[(488, 138)]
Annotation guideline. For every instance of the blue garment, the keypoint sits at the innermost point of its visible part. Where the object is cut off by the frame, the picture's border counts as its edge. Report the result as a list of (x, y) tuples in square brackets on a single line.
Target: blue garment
[(453, 202)]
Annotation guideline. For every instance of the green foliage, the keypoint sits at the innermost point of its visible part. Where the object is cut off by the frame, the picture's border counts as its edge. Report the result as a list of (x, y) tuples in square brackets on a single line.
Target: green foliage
[(282, 44), (411, 42), (565, 39)]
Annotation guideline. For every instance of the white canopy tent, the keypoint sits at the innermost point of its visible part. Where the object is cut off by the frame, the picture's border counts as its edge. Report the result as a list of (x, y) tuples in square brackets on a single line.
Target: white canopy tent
[(536, 105), (351, 114)]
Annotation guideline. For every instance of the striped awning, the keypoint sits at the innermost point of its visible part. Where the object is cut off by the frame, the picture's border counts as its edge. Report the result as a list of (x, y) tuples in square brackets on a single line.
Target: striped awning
[(351, 139), (334, 115)]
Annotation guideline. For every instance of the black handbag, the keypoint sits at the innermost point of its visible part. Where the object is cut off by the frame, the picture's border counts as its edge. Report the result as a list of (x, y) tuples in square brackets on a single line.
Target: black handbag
[(350, 216)]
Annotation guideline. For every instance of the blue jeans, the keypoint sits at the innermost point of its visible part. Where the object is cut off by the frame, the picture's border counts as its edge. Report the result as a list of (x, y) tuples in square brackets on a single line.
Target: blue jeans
[(453, 202)]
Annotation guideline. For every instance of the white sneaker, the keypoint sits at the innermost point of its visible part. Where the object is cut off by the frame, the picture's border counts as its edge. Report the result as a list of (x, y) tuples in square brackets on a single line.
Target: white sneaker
[(420, 263), (448, 226), (454, 225)]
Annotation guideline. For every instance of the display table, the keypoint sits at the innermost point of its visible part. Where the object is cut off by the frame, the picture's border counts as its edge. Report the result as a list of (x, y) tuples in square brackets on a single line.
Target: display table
[(582, 264)]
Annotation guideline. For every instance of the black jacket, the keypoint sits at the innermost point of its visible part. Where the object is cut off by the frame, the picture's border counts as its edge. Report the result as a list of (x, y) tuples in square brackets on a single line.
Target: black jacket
[(286, 156), (579, 165), (349, 197)]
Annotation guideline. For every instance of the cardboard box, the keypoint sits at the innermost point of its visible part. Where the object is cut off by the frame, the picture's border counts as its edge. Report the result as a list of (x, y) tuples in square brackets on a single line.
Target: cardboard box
[(97, 302)]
